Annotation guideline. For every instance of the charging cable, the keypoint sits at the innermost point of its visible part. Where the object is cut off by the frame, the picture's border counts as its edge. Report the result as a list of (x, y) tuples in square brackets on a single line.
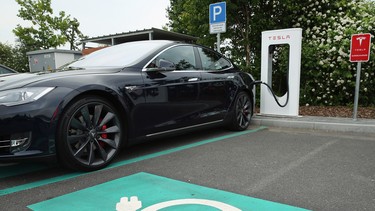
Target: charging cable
[(273, 93)]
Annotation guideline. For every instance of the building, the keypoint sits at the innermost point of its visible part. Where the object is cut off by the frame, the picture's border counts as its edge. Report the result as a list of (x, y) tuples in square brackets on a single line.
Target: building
[(50, 59), (146, 34)]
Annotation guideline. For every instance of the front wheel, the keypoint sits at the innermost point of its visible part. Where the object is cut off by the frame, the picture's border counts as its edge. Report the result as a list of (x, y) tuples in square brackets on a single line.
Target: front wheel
[(89, 135), (242, 112)]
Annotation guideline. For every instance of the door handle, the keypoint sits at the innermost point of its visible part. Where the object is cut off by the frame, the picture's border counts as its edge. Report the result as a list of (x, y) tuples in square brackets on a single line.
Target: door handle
[(193, 79)]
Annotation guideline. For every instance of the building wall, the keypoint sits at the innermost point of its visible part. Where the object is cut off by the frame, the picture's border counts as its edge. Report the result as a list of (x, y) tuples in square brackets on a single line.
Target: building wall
[(42, 62), (62, 59), (50, 59)]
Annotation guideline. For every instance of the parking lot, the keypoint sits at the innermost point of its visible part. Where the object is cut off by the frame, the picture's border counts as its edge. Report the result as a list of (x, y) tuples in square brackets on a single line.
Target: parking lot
[(263, 168)]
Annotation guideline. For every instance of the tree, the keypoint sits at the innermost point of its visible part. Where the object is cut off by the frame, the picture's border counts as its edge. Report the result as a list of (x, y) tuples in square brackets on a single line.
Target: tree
[(43, 34), (13, 57), (47, 31), (69, 28), (6, 54)]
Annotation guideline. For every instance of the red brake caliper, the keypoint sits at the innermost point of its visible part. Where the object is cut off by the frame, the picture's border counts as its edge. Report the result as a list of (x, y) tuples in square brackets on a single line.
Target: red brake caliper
[(104, 135)]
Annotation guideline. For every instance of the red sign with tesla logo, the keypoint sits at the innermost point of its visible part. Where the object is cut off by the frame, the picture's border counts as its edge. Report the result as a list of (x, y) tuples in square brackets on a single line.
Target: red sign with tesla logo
[(360, 47)]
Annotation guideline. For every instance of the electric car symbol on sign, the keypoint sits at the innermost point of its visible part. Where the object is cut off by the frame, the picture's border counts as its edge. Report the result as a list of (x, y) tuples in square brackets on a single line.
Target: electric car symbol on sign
[(118, 96)]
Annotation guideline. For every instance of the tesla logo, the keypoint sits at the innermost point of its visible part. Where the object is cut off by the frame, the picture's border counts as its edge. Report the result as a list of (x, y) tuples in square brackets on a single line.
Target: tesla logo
[(279, 37), (360, 40)]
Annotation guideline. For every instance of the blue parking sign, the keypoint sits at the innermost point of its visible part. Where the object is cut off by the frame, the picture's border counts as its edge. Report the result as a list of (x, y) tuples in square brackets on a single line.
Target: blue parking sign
[(218, 12)]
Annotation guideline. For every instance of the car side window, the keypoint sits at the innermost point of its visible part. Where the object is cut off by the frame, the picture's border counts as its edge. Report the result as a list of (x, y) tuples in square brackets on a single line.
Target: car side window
[(3, 70), (212, 60), (179, 57)]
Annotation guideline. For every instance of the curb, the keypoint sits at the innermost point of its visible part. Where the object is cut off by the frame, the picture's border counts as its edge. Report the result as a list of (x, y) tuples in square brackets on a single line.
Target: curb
[(332, 124)]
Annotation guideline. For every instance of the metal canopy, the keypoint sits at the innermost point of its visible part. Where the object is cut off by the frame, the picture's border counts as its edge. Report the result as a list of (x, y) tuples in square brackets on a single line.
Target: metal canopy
[(146, 34)]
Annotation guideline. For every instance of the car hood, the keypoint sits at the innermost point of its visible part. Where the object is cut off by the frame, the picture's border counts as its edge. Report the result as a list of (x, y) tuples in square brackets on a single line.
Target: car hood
[(23, 79)]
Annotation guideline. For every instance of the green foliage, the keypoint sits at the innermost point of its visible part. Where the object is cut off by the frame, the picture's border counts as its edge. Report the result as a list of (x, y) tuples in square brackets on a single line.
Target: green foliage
[(47, 31), (43, 34), (70, 30), (13, 57), (328, 78)]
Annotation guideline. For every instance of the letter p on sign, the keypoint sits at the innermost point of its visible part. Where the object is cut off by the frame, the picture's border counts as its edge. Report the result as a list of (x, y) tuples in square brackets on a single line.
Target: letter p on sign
[(217, 11)]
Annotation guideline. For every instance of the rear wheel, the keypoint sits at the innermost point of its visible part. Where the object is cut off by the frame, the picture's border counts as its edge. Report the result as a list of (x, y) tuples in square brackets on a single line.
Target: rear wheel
[(242, 112), (89, 135)]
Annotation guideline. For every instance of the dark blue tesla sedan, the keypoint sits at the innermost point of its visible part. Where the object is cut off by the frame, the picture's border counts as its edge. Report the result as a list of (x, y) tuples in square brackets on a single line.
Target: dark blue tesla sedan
[(118, 96)]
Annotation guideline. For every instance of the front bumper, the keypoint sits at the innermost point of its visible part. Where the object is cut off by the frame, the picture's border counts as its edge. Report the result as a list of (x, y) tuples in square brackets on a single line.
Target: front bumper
[(29, 130), (26, 132)]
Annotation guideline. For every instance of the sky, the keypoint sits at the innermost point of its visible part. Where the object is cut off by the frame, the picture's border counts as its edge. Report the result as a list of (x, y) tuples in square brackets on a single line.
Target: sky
[(96, 17)]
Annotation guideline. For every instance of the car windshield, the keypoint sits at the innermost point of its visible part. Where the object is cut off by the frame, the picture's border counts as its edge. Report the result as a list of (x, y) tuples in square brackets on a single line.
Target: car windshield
[(122, 55)]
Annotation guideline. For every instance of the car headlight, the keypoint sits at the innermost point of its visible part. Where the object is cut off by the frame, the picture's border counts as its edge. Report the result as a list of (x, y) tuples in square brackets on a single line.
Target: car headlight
[(23, 95)]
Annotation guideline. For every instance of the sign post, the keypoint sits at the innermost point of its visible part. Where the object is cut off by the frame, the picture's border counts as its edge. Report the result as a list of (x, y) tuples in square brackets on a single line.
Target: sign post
[(359, 52), (218, 18)]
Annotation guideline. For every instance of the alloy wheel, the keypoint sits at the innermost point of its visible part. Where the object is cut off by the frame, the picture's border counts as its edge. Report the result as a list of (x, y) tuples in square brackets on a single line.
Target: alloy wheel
[(243, 110), (93, 134)]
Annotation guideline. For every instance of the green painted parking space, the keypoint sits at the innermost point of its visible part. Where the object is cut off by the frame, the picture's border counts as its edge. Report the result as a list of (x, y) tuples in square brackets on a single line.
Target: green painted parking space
[(147, 192)]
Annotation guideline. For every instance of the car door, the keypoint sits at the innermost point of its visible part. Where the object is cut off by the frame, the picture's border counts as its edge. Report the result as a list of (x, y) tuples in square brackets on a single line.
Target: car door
[(171, 91), (217, 89)]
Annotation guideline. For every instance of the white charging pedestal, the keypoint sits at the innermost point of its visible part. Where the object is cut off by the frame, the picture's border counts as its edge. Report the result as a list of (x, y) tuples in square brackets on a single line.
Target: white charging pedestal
[(293, 38)]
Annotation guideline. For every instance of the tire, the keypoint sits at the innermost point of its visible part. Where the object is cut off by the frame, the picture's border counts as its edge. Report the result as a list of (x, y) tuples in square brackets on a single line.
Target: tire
[(89, 134), (242, 112)]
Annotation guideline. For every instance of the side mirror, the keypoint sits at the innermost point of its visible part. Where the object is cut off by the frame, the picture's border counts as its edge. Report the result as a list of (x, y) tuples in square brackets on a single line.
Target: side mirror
[(162, 65), (166, 64)]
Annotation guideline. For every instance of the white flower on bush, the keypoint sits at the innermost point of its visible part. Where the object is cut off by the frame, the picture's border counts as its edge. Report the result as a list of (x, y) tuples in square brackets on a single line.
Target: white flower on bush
[(342, 53), (338, 37)]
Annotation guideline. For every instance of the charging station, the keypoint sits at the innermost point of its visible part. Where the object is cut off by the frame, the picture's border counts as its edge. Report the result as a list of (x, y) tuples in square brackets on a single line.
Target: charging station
[(290, 100)]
